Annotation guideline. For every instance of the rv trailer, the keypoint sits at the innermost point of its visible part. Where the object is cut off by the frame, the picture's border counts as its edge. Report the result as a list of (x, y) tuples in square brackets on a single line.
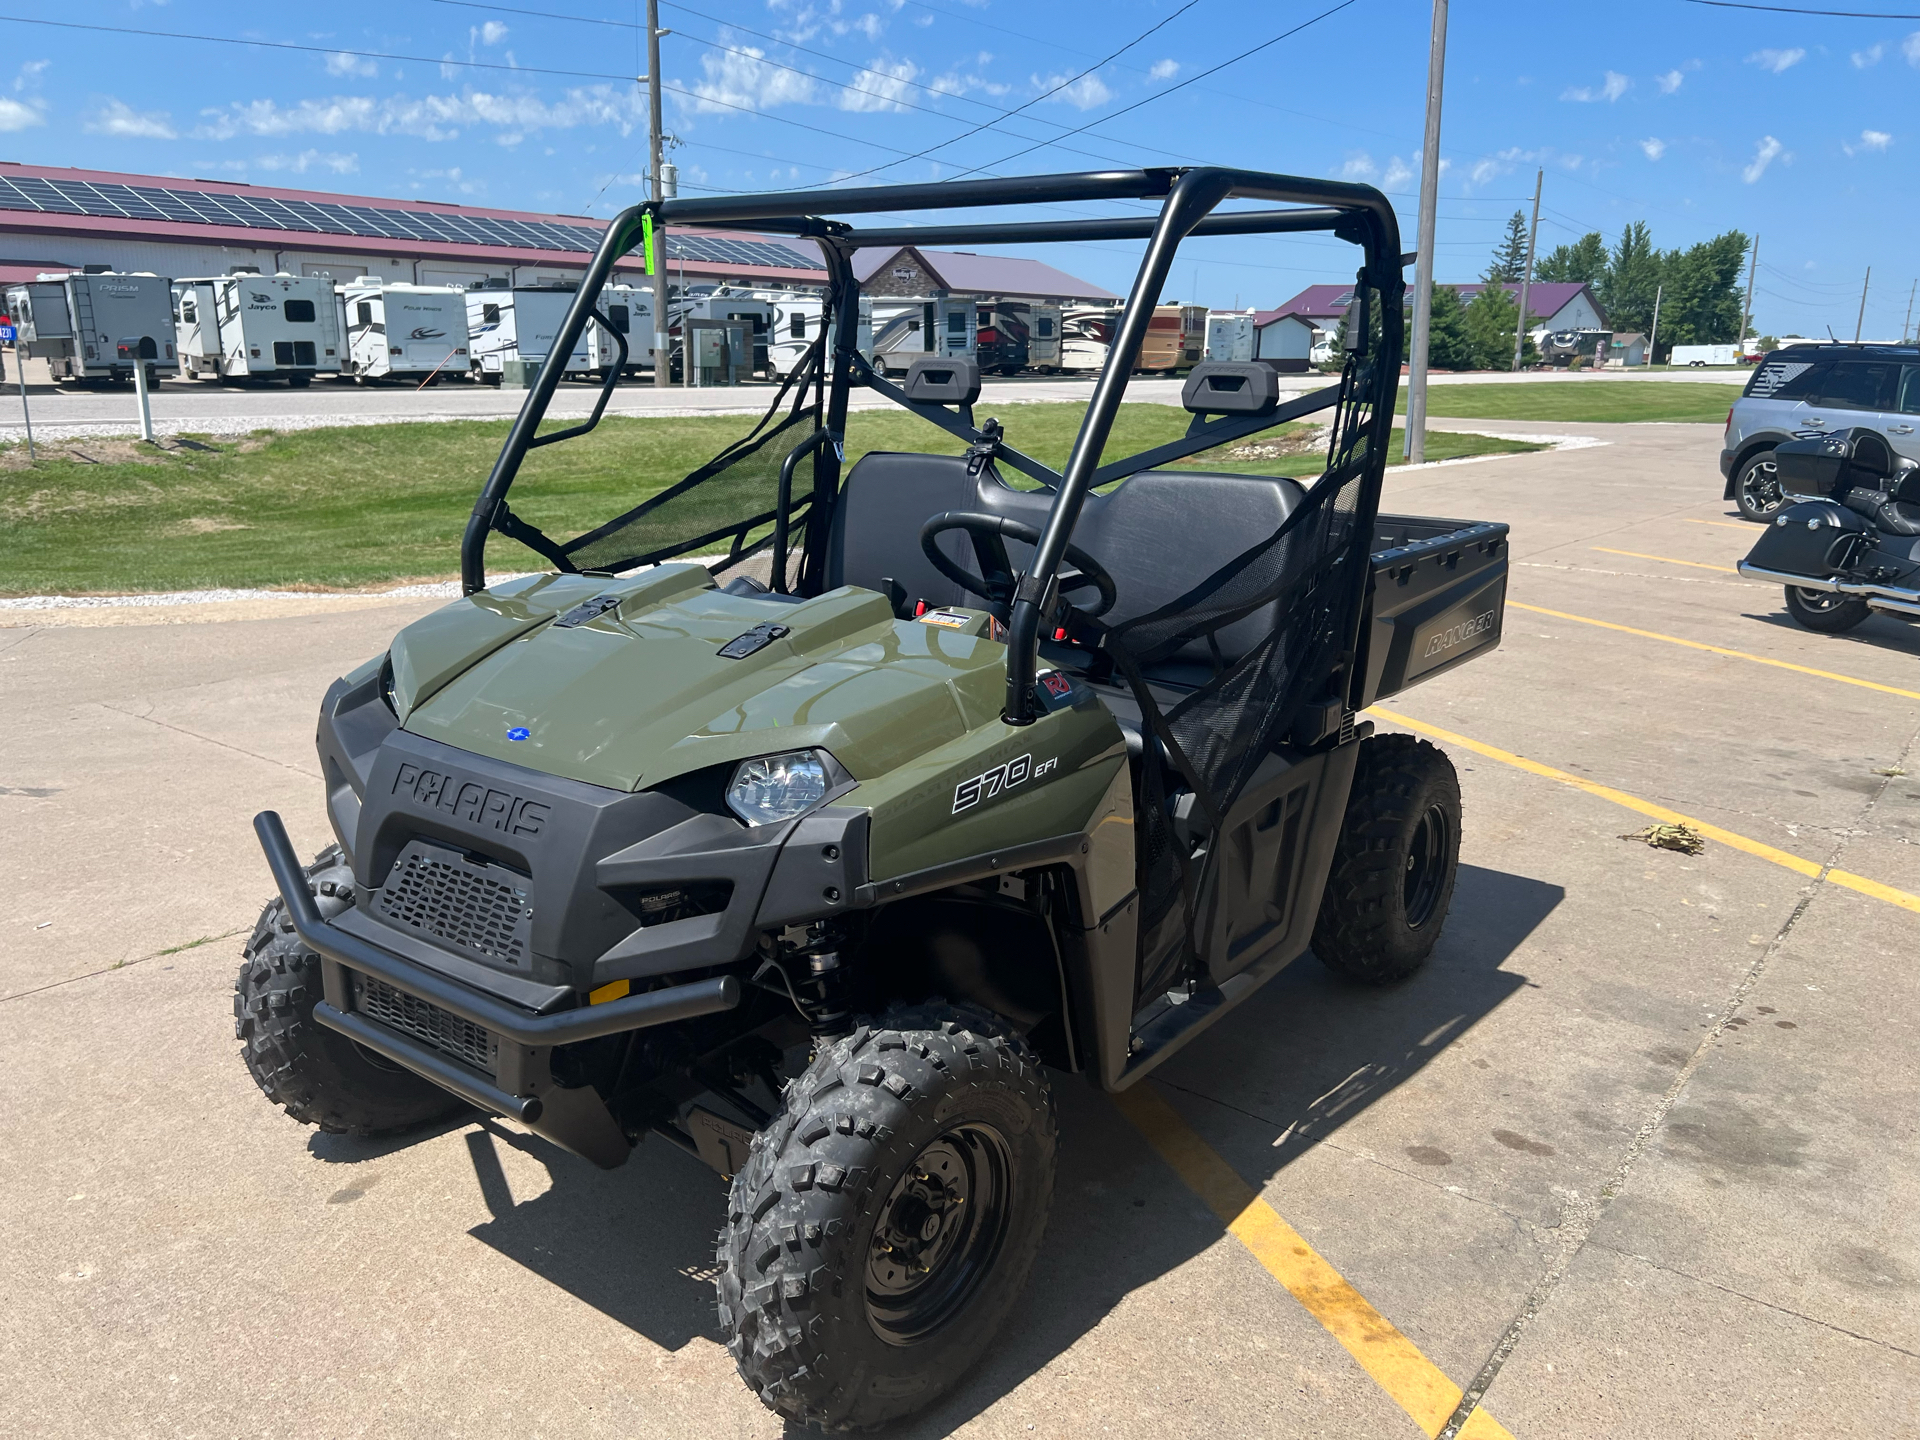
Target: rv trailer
[(416, 332), (520, 323), (723, 303), (908, 330), (1001, 339), (78, 323), (1086, 332), (246, 325), (1176, 338)]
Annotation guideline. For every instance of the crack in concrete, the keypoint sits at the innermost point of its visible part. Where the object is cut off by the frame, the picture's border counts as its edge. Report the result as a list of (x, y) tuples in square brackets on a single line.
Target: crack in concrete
[(114, 969), (1580, 1217), (1778, 1309), (224, 745)]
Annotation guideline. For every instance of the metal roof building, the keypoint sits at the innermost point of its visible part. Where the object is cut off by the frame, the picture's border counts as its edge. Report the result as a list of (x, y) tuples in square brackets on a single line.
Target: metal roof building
[(913, 272), (61, 219)]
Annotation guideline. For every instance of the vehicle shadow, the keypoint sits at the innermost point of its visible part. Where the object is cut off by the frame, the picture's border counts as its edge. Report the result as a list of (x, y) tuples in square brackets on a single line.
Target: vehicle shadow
[(1876, 632), (1304, 1054)]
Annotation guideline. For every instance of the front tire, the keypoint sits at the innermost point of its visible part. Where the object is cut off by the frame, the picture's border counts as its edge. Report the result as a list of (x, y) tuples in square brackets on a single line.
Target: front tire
[(1394, 864), (1757, 491), (885, 1222), (1825, 611), (320, 1076)]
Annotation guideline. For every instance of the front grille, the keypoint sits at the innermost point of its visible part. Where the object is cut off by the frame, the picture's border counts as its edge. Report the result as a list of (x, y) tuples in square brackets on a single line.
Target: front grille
[(446, 1032), (475, 908)]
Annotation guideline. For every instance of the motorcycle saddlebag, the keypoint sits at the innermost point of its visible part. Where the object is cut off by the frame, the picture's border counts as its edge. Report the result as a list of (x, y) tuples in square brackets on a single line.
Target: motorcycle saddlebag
[(1811, 467), (1815, 538)]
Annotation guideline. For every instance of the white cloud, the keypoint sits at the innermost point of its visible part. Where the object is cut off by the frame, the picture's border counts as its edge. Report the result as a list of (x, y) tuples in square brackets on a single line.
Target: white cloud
[(1910, 47), (742, 78), (29, 73), (1359, 166), (1764, 154), (1614, 86), (431, 117), (1164, 69), (1089, 92), (1669, 82), (1483, 171), (491, 33), (16, 116), (341, 63), (1869, 57), (870, 25), (1398, 174), (119, 119), (1654, 147), (1777, 61), (306, 160), (1869, 140), (878, 87)]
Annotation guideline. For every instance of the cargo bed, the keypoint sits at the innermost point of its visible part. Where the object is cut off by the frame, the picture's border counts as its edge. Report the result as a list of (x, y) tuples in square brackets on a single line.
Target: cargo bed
[(1437, 598)]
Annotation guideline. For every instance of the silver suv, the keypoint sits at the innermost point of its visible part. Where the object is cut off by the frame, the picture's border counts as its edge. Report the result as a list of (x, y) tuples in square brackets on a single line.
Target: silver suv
[(1811, 390)]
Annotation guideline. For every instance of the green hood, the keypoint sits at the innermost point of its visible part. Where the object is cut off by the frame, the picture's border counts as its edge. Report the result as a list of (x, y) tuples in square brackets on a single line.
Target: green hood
[(640, 694)]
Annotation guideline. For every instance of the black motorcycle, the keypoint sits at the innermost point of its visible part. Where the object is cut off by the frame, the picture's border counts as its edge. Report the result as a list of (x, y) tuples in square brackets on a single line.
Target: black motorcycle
[(1846, 541)]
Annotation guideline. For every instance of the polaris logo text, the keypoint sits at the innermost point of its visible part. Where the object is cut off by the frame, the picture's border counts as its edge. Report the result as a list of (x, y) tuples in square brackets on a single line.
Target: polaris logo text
[(471, 801), (1455, 634), (969, 793)]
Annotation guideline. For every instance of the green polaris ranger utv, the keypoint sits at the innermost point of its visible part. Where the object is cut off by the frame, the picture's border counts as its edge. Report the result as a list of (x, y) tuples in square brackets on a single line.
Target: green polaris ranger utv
[(810, 818)]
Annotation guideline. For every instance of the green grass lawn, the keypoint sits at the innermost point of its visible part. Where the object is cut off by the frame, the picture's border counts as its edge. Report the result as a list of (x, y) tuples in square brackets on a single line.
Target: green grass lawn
[(352, 507), (1580, 401)]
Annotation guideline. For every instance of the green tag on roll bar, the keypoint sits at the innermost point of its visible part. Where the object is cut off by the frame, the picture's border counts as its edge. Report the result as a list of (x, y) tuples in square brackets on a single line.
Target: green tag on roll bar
[(646, 240)]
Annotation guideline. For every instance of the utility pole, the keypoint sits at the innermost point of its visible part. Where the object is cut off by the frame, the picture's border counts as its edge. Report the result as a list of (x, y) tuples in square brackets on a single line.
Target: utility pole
[(1423, 262), (1746, 312), (660, 340), (1907, 323), (1526, 278), (1659, 292), (1860, 320)]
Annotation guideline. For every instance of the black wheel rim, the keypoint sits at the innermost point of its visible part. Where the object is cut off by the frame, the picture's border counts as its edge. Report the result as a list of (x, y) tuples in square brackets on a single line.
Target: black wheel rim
[(1762, 486), (1818, 599), (939, 1233), (1426, 866)]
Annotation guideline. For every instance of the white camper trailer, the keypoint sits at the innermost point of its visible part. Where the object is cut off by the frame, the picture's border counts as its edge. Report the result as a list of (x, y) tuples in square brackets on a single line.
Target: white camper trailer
[(1230, 336), (722, 303), (908, 330), (1085, 336), (416, 332), (89, 325), (522, 323), (252, 326)]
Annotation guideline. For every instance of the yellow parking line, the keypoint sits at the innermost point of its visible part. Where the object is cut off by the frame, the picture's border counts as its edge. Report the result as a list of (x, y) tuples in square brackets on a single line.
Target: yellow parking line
[(1667, 560), (1411, 1380), (1723, 524), (1812, 869), (1718, 650)]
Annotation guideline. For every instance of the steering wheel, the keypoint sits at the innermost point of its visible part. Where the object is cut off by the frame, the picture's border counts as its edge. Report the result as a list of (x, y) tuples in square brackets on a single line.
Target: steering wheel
[(996, 581)]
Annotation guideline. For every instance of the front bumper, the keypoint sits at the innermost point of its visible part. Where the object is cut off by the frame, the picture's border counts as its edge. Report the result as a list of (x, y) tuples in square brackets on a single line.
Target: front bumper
[(521, 1085)]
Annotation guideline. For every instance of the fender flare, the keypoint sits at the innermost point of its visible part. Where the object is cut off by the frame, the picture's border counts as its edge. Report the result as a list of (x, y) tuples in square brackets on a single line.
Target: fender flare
[(1753, 447)]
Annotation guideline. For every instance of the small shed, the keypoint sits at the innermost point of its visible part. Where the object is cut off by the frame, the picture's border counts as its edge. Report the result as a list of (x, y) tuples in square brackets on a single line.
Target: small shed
[(1627, 349), (1283, 338)]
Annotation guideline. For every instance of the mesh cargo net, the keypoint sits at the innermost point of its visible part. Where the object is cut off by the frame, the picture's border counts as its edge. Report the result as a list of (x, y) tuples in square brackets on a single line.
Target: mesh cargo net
[(731, 501), (1213, 738)]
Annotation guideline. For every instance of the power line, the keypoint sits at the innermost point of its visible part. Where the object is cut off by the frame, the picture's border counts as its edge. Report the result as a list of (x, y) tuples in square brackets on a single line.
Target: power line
[(1064, 84), (1181, 85), (1796, 10)]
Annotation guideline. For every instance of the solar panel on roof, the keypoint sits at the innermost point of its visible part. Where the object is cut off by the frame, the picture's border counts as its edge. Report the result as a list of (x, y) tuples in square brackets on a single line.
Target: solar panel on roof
[(111, 199)]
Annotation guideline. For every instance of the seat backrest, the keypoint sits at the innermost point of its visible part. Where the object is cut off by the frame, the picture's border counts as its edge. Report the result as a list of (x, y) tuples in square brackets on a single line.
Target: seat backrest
[(1159, 534)]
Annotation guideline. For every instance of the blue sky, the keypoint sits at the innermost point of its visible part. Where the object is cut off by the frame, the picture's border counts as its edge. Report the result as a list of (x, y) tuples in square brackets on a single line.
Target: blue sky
[(1692, 118)]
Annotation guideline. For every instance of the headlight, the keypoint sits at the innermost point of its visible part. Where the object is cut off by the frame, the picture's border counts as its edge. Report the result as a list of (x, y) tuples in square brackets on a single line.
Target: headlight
[(778, 787)]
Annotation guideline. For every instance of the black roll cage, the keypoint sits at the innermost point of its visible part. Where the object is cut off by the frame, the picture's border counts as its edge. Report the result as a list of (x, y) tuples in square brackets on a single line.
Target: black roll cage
[(1188, 199)]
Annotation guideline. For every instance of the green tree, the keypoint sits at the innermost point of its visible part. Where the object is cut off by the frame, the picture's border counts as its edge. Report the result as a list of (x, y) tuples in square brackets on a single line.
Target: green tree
[(1585, 261), (1490, 322), (1702, 304), (1632, 281), (1449, 346), (1510, 255)]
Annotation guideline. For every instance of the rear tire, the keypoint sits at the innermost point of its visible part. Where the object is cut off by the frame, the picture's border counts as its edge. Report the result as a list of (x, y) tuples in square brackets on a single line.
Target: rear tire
[(1825, 611), (923, 1143), (320, 1076), (1394, 864), (1757, 490)]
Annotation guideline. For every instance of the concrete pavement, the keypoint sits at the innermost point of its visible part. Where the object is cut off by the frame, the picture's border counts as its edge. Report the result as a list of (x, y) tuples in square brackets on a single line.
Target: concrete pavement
[(1636, 1152)]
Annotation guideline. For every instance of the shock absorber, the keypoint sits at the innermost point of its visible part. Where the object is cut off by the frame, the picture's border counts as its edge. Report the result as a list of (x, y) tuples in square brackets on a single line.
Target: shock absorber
[(826, 986)]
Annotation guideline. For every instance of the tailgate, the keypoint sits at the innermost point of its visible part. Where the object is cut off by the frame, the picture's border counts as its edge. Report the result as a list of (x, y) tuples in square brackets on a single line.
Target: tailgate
[(1437, 598)]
